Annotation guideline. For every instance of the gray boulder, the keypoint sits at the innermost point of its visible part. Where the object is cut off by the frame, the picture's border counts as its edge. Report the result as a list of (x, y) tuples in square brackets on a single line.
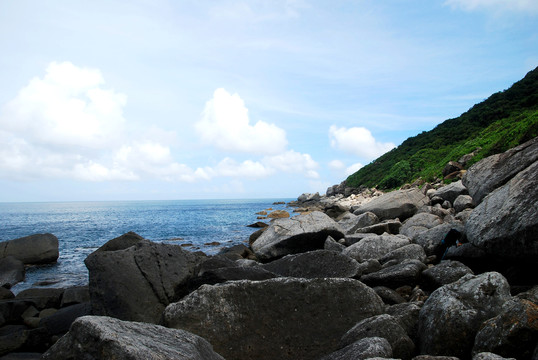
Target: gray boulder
[(490, 356), (383, 326), (122, 242), (505, 223), (407, 316), (418, 223), (453, 314), (431, 239), (333, 245), (33, 249), (496, 170), (294, 235), (512, 333), (11, 271), (375, 246), (60, 321), (444, 273), (463, 202), (283, 318), (315, 264), (351, 222), (387, 226), (406, 252), (451, 191), (366, 348), (138, 282), (389, 296), (401, 204), (100, 337), (405, 273)]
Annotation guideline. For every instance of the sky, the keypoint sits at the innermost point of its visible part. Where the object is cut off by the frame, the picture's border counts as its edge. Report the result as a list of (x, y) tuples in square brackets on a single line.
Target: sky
[(188, 99)]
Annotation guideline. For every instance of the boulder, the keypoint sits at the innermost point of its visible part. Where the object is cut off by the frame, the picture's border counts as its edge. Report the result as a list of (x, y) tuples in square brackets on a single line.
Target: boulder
[(295, 235), (383, 326), (406, 252), (401, 204), (444, 273), (389, 296), (496, 170), (451, 167), (505, 224), (138, 282), (463, 202), (453, 314), (333, 245), (512, 333), (366, 348), (61, 320), (315, 264), (420, 222), (407, 316), (33, 249), (278, 214), (11, 271), (75, 295), (490, 356), (405, 273), (283, 318), (41, 298), (451, 191), (351, 222), (100, 337), (375, 247), (387, 226), (122, 242), (432, 239), (308, 197)]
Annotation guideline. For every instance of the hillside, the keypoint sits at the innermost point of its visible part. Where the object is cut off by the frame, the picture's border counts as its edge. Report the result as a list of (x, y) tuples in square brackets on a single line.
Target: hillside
[(502, 121)]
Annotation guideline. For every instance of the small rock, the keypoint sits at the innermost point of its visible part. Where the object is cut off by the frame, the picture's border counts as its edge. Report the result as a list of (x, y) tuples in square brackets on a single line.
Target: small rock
[(366, 348)]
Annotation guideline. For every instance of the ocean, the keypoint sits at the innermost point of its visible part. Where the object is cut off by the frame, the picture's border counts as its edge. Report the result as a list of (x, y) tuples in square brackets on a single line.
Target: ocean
[(82, 227)]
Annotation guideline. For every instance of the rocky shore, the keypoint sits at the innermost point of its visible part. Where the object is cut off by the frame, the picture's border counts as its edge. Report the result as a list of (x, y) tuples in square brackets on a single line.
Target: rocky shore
[(430, 271)]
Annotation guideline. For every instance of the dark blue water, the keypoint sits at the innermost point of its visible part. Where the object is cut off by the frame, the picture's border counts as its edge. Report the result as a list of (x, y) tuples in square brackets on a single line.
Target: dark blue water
[(82, 227)]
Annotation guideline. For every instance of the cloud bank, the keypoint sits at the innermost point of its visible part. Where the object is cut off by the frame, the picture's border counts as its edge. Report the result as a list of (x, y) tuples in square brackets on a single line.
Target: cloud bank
[(66, 124), (357, 141)]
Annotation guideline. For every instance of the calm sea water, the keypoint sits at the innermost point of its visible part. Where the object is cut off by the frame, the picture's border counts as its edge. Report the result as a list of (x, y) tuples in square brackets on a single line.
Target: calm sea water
[(82, 227)]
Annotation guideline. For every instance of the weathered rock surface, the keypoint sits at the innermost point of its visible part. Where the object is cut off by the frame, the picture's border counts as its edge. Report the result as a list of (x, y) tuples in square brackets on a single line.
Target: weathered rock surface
[(405, 273), (401, 204), (420, 222), (451, 191), (513, 333), (463, 202), (280, 318), (387, 226), (351, 222), (432, 239), (383, 326), (453, 314), (99, 337), (11, 271), (138, 282), (490, 356), (295, 235), (496, 170), (406, 252), (505, 223), (444, 273), (314, 264), (365, 348), (33, 249), (375, 246), (407, 316)]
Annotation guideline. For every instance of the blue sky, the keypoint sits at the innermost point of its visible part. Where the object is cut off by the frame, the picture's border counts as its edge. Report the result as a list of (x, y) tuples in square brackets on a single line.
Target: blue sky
[(134, 100)]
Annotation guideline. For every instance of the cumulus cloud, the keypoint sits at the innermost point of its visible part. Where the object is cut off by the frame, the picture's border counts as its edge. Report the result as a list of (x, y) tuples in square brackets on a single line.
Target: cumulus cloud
[(357, 141), (496, 6), (337, 165), (293, 162), (225, 124), (351, 169)]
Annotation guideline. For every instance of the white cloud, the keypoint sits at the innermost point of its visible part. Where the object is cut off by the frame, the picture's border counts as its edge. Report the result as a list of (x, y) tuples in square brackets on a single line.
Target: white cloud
[(225, 124), (66, 108), (353, 168), (337, 165), (496, 6), (357, 141), (293, 162)]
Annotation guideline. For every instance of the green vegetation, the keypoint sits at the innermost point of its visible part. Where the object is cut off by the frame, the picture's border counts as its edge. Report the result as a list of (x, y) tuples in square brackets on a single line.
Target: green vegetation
[(504, 120)]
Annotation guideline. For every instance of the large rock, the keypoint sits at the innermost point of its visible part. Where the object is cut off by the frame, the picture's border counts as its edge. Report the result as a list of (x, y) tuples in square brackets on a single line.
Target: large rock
[(100, 337), (375, 246), (283, 318), (444, 273), (11, 271), (60, 321), (138, 282), (496, 170), (33, 249), (451, 191), (513, 333), (298, 234), (383, 326), (401, 204), (418, 223), (405, 273), (366, 348), (505, 223), (351, 222), (453, 314), (432, 240), (315, 264)]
